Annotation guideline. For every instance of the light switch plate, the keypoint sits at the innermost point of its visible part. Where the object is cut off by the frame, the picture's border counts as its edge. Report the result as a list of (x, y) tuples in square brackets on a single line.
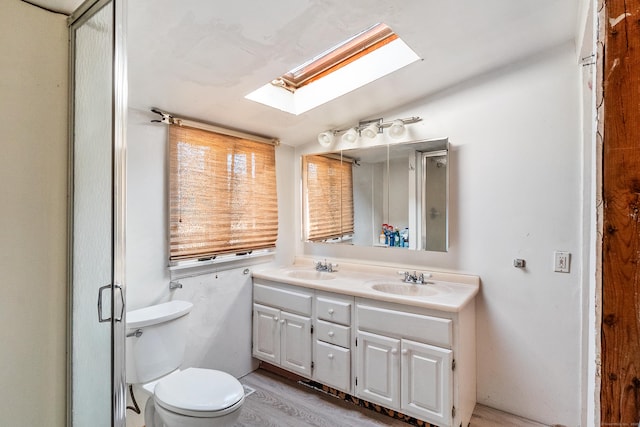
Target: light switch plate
[(561, 261)]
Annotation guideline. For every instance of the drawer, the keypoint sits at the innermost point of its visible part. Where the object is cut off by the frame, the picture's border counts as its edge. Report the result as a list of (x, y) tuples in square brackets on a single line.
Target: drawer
[(333, 333), (399, 324), (332, 366), (334, 309), (287, 298)]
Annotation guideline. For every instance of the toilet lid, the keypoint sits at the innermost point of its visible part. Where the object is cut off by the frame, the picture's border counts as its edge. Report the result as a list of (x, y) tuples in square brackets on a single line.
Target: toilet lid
[(200, 393)]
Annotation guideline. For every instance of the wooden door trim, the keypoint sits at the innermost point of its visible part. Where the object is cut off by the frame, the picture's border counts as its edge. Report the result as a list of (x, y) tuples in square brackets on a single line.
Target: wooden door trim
[(620, 333)]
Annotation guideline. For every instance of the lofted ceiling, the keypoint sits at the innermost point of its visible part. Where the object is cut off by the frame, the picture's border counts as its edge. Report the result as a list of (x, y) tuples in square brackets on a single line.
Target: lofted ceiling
[(199, 58)]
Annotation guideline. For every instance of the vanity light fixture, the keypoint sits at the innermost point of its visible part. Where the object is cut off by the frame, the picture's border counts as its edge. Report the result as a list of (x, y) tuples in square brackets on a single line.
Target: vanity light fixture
[(397, 128), (326, 138), (368, 129), (372, 129), (350, 135)]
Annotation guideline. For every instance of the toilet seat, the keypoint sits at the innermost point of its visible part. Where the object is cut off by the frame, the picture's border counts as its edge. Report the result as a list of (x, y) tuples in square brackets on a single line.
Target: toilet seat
[(202, 393)]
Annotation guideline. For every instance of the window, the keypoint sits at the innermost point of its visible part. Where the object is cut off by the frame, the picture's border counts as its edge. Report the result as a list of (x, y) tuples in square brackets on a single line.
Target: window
[(336, 57), (353, 63), (222, 194), (328, 197)]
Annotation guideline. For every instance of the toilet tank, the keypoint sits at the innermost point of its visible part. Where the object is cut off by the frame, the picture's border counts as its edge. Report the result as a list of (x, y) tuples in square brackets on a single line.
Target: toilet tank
[(158, 346)]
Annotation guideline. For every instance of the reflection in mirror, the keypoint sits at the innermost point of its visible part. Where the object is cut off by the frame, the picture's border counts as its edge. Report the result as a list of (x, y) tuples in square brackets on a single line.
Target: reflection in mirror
[(327, 198), (390, 196), (434, 200)]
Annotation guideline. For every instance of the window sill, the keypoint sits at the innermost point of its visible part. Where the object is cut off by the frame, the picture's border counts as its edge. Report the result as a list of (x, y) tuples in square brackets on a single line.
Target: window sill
[(223, 262)]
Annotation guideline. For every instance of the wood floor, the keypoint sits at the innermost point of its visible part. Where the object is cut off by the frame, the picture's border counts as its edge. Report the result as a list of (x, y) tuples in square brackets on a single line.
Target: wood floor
[(489, 417), (279, 402)]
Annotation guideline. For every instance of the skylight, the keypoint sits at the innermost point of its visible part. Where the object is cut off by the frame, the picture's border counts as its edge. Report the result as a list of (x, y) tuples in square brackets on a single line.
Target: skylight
[(351, 64)]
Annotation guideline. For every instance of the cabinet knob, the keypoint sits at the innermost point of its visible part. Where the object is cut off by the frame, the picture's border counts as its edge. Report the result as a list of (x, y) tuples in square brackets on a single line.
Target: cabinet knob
[(394, 351), (330, 333), (330, 355), (331, 311), (282, 321), (405, 351), (275, 318)]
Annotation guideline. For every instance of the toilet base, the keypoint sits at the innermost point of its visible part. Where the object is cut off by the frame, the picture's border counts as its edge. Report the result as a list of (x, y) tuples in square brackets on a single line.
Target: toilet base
[(157, 416)]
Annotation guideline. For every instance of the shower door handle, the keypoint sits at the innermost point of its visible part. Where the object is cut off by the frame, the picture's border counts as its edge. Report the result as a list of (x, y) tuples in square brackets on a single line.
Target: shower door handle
[(119, 288), (100, 293)]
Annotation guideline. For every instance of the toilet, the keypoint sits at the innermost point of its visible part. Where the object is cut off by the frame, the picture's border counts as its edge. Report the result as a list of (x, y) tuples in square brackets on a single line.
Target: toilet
[(194, 397)]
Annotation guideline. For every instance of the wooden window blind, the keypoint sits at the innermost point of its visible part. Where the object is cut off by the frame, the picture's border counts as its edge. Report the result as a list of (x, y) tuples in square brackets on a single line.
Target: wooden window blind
[(328, 196), (222, 194)]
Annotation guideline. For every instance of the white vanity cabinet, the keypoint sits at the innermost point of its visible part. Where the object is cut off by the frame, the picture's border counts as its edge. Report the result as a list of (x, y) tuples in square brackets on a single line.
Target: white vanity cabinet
[(416, 359), (332, 344), (282, 326), (405, 360)]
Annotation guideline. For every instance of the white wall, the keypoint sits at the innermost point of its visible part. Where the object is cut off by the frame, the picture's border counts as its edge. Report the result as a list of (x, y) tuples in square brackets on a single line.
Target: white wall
[(33, 177), (516, 192)]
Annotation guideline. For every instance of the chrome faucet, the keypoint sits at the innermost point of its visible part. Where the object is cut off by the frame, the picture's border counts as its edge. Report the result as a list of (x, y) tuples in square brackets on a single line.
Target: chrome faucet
[(328, 267), (416, 278)]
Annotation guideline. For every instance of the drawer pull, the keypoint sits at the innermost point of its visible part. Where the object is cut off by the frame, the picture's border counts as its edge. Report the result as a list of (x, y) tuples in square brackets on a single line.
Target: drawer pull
[(394, 351), (331, 333), (405, 351), (331, 311), (330, 356)]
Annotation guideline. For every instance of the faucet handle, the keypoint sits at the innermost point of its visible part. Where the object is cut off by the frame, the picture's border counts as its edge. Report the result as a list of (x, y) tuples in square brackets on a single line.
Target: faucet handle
[(407, 275), (324, 266)]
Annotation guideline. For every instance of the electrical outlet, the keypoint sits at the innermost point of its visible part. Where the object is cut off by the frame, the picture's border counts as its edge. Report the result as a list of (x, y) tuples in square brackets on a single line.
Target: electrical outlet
[(561, 262)]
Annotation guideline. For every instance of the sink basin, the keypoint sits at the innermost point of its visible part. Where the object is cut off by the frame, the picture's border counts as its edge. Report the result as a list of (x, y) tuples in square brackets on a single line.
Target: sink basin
[(407, 289), (310, 275)]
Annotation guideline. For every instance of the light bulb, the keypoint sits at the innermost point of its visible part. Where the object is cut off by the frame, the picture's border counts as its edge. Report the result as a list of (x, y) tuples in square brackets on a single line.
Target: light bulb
[(325, 138), (397, 129), (370, 131), (350, 136)]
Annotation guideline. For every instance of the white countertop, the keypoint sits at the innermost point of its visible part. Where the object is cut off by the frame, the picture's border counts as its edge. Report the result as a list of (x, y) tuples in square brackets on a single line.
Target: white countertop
[(443, 291)]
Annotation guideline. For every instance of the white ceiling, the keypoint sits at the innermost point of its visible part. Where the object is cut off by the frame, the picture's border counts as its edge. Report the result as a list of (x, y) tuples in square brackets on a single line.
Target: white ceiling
[(199, 58)]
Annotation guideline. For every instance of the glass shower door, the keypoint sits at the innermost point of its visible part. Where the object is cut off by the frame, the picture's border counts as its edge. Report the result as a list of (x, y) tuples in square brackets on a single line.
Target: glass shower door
[(96, 369)]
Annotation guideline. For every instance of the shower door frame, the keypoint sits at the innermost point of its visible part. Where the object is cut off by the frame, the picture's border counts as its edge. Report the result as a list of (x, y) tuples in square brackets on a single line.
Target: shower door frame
[(116, 295)]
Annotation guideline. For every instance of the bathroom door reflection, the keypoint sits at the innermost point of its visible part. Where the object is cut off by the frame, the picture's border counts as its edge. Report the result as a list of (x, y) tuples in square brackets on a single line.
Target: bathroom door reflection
[(434, 201), (96, 215)]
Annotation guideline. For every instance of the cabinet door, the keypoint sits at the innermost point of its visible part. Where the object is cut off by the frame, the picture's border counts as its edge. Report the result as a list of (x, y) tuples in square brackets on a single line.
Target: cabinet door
[(427, 382), (378, 377), (333, 366), (266, 333), (296, 343)]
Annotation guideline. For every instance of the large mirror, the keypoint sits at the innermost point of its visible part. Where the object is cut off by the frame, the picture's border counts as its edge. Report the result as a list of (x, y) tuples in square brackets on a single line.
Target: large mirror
[(386, 196)]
